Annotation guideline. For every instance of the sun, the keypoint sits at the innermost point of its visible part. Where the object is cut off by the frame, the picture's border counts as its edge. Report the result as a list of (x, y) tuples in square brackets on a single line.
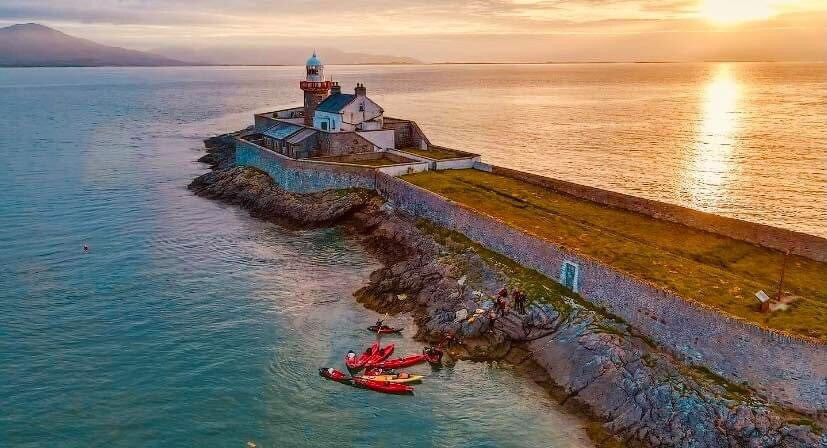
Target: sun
[(728, 12)]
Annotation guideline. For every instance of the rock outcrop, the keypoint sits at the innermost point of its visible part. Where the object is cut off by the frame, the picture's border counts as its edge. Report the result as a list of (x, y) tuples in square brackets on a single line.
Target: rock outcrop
[(594, 362), (255, 190)]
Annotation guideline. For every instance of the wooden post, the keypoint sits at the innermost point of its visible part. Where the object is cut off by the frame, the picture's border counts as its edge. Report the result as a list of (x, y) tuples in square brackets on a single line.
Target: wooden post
[(781, 280)]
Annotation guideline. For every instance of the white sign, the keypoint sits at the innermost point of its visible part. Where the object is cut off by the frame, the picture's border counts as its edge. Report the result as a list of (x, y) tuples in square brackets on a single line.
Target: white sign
[(762, 296)]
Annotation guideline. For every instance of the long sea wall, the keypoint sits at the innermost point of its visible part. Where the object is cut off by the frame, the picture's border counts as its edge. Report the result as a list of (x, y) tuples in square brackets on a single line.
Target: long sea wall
[(797, 243), (787, 370)]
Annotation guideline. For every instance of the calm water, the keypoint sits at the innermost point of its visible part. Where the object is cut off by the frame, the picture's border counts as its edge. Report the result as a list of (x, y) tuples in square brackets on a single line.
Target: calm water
[(743, 140), (191, 324)]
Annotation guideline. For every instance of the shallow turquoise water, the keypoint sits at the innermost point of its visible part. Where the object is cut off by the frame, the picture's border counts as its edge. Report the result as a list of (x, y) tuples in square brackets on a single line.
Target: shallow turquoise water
[(189, 323)]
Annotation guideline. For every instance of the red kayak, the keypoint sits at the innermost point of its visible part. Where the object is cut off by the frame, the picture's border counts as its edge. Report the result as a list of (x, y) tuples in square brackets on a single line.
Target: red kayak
[(432, 355), (383, 354), (384, 329), (373, 371), (383, 386), (335, 375), (354, 361)]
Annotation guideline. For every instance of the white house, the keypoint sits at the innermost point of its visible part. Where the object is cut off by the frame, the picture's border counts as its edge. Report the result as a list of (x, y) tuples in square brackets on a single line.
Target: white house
[(348, 112)]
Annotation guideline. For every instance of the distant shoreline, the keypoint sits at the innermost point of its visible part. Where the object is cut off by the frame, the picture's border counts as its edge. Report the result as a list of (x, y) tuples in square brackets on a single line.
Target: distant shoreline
[(425, 64)]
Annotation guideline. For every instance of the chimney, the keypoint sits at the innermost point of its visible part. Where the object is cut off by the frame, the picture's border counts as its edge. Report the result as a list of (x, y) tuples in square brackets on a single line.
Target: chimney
[(361, 90), (335, 89)]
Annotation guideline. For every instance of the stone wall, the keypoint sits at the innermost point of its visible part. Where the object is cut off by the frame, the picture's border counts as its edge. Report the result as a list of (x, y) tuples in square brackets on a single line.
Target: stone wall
[(303, 176), (340, 143), (407, 134), (787, 370), (383, 138), (798, 243)]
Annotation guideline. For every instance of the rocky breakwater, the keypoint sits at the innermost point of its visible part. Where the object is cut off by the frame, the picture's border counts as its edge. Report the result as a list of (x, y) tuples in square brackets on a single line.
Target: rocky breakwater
[(592, 362)]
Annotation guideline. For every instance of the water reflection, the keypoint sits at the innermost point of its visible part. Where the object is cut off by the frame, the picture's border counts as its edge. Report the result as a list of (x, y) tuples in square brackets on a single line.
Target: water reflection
[(711, 168)]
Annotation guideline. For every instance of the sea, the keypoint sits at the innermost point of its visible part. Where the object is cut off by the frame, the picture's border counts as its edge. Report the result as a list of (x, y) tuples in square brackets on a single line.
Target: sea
[(189, 323)]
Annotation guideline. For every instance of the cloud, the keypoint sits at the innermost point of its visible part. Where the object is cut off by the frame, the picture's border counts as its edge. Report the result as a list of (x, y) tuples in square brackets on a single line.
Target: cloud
[(369, 25)]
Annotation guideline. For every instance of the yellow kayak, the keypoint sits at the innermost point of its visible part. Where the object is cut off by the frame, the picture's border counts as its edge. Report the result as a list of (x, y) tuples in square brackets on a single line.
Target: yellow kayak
[(395, 378)]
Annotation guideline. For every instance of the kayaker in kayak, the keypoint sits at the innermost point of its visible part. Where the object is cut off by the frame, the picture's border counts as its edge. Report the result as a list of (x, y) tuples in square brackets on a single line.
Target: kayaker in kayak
[(383, 329), (334, 375), (432, 354)]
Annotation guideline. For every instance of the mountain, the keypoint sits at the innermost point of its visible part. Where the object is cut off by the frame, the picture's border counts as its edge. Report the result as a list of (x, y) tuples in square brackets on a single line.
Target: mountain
[(276, 55), (31, 44), (34, 45)]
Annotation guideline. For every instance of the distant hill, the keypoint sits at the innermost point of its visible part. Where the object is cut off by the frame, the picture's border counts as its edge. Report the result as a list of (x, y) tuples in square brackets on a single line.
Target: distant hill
[(34, 45), (276, 55)]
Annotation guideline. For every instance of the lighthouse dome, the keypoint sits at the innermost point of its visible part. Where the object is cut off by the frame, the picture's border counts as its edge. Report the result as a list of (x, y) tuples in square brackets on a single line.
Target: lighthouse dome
[(313, 60)]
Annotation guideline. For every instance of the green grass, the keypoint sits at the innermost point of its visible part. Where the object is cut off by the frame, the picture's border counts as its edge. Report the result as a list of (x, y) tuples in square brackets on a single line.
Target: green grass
[(436, 154), (379, 161), (376, 162), (718, 271), (732, 391)]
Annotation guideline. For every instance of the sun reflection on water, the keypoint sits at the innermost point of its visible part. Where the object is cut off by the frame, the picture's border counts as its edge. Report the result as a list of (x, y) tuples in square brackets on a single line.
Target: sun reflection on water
[(711, 167)]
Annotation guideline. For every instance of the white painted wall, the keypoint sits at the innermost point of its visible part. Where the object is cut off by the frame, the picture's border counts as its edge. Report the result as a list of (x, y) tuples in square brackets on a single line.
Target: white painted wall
[(457, 164), (334, 121), (482, 166), (360, 114), (381, 139), (407, 168), (363, 111)]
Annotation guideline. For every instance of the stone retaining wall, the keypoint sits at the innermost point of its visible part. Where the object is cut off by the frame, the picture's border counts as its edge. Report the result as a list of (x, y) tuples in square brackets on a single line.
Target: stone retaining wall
[(789, 371), (798, 243), (303, 176)]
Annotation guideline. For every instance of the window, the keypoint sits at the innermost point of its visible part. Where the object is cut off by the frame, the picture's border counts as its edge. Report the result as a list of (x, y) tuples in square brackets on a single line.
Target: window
[(324, 125), (362, 107), (568, 275)]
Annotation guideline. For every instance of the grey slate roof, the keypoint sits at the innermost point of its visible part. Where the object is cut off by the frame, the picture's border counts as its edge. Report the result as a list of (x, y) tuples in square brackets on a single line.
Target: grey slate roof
[(282, 131), (300, 136), (335, 103)]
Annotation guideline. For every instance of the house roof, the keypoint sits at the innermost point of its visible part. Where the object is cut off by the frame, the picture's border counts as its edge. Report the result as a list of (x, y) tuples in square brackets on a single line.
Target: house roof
[(300, 136), (282, 131), (335, 103)]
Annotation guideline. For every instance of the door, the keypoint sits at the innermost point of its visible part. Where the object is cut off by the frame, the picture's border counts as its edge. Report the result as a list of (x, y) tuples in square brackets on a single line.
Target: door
[(568, 276)]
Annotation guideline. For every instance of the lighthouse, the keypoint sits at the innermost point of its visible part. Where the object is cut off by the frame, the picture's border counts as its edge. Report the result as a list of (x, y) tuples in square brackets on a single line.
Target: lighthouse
[(315, 87)]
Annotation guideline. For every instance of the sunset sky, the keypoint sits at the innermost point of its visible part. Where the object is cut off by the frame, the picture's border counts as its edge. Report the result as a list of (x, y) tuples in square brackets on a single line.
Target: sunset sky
[(452, 30)]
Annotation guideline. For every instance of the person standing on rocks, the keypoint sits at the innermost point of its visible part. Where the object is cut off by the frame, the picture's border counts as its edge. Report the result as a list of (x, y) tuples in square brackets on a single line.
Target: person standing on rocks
[(501, 301), (519, 300)]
